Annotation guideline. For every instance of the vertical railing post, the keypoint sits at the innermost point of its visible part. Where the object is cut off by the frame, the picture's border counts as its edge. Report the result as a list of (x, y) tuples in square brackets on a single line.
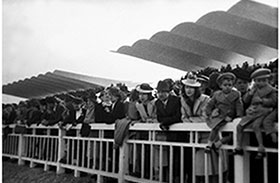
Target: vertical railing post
[(61, 150), (20, 149), (241, 162), (123, 165), (78, 159)]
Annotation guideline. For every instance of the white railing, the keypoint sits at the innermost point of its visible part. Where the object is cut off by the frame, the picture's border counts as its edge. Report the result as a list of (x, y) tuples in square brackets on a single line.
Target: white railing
[(144, 157)]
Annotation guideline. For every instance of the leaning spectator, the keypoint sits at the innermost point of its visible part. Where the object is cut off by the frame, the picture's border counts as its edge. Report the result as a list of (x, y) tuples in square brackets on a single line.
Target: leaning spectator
[(131, 110), (34, 113), (193, 104), (54, 111), (168, 106), (22, 113), (146, 105), (168, 109), (9, 114), (69, 113)]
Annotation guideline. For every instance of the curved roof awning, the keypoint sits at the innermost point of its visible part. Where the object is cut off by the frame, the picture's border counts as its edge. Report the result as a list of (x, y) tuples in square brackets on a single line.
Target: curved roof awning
[(217, 38), (52, 83)]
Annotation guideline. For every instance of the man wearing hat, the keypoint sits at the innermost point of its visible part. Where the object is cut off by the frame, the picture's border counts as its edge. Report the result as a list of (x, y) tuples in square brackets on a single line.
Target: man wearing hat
[(262, 111), (223, 107)]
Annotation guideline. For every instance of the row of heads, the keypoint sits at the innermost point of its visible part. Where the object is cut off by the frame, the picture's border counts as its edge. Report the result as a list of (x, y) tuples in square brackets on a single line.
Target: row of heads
[(193, 80)]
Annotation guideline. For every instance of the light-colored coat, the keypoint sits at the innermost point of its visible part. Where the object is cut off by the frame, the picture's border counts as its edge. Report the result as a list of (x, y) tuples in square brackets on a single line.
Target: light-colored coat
[(269, 98), (151, 116), (226, 105), (197, 114)]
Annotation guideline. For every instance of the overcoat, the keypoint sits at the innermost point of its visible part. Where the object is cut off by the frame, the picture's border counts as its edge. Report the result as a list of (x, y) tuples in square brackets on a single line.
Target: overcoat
[(268, 95), (150, 114), (197, 114), (171, 112), (226, 104)]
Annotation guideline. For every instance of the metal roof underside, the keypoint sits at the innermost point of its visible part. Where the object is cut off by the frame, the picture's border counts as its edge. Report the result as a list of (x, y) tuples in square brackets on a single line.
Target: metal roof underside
[(56, 82), (248, 31)]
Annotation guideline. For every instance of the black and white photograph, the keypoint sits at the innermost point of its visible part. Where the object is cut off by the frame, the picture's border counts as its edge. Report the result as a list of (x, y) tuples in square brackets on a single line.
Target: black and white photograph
[(140, 91)]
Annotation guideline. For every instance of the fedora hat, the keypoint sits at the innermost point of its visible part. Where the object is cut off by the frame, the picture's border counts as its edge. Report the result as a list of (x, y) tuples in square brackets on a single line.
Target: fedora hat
[(163, 86), (144, 88), (226, 75), (261, 73), (191, 80)]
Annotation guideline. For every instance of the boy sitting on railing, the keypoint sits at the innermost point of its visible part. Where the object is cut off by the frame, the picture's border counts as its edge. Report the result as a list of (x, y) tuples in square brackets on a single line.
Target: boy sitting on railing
[(223, 107), (262, 111)]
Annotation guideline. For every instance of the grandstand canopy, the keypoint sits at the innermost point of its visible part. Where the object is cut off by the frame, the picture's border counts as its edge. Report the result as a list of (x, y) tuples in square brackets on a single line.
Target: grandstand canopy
[(248, 31), (56, 82)]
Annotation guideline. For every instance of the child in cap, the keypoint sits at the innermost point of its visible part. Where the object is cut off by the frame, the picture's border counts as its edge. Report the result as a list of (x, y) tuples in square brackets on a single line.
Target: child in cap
[(261, 112), (223, 107)]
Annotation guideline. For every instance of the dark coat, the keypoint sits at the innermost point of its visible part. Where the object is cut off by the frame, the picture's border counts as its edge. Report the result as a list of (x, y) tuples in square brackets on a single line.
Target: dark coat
[(105, 114), (230, 105), (53, 117), (34, 116), (171, 113)]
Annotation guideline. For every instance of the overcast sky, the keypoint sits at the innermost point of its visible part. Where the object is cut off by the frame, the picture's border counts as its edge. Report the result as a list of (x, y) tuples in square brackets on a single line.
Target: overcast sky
[(77, 35)]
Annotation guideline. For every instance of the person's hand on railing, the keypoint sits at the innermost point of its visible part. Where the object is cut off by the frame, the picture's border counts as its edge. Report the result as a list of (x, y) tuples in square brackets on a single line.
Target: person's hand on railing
[(228, 119)]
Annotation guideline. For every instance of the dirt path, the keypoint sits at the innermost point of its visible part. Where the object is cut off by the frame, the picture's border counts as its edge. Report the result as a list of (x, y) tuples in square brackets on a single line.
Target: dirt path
[(12, 173)]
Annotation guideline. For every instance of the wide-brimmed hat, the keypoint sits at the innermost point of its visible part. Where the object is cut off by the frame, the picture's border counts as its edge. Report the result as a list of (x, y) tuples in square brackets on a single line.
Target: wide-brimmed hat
[(226, 75), (191, 80), (144, 88), (261, 73), (163, 86), (241, 74)]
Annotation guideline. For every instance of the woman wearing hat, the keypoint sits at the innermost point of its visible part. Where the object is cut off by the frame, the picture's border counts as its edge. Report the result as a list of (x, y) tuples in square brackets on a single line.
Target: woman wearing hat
[(223, 107), (192, 109), (146, 105), (262, 111)]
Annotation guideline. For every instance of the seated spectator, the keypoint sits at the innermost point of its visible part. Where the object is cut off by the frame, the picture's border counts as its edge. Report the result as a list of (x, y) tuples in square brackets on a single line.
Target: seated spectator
[(223, 107), (261, 112)]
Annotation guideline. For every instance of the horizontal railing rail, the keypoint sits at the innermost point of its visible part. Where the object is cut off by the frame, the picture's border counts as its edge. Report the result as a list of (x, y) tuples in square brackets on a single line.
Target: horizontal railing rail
[(147, 155)]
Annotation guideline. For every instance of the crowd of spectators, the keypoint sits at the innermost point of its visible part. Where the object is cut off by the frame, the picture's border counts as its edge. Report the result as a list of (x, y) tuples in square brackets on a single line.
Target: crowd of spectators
[(184, 100)]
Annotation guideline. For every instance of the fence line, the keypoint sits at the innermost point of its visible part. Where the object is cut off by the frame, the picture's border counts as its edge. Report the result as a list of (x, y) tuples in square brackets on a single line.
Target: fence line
[(146, 156)]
